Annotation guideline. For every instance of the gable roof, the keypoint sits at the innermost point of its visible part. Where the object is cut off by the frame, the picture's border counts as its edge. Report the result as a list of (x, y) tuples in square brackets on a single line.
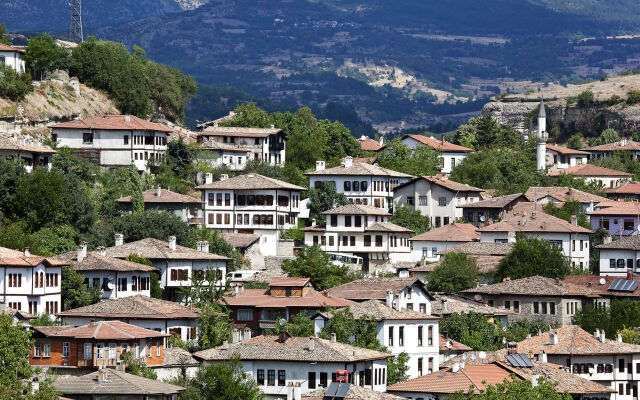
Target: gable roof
[(575, 341), (520, 221), (617, 208), (495, 202), (154, 249), (249, 182), (116, 383), (240, 240), (462, 305), (113, 123), (101, 330), (166, 196), (11, 144), (261, 298), (372, 288), (6, 47), (380, 311), (626, 243), (566, 151), (293, 349), (441, 144), (629, 187), (534, 286), (562, 194), (239, 131), (96, 262), (620, 145), (356, 209), (450, 233), (386, 227), (453, 345), (443, 181), (368, 144), (359, 169), (14, 258), (354, 392), (485, 264), (480, 249), (596, 282), (134, 307), (588, 170)]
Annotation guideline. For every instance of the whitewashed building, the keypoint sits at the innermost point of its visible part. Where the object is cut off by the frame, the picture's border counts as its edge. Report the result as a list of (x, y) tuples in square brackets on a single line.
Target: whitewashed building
[(363, 231), (618, 257), (360, 182), (32, 155), (559, 157), (436, 197), (235, 146), (116, 278), (30, 283), (426, 245), (177, 264), (606, 177), (114, 141), (251, 203), (12, 57), (452, 154), (400, 330), (282, 364)]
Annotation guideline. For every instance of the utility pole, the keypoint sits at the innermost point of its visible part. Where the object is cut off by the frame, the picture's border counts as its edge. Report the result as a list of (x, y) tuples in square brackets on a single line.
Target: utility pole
[(75, 27)]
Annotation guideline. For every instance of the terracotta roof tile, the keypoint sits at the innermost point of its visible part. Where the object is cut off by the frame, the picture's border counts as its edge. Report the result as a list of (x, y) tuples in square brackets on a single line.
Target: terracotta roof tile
[(450, 233), (132, 307), (293, 349), (96, 262), (6, 47), (261, 298), (166, 196), (480, 249), (101, 330), (441, 144), (250, 182), (371, 288), (523, 219), (113, 123), (14, 258), (453, 345), (444, 182), (380, 311), (116, 383), (625, 188), (356, 209), (566, 150), (238, 131), (11, 144), (535, 286), (154, 249), (462, 305), (621, 145), (627, 243), (576, 341), (495, 202), (595, 282), (588, 170), (240, 240), (486, 264), (368, 144), (562, 194), (617, 208), (359, 169), (288, 281), (386, 227)]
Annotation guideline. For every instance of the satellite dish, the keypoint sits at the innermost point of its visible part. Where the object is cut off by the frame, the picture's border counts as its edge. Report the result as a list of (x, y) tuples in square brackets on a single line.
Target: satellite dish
[(111, 286), (482, 355), (603, 281), (482, 218), (448, 344)]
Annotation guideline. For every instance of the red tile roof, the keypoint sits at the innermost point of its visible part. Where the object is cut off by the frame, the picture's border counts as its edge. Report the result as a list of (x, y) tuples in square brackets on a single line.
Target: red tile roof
[(6, 47), (617, 208), (588, 170), (134, 307), (524, 219), (454, 346), (620, 145), (441, 144), (594, 281), (113, 123), (14, 258), (238, 131), (566, 150), (575, 341), (368, 144), (443, 181), (450, 233), (261, 298), (166, 196), (625, 188), (102, 330), (287, 281), (562, 194)]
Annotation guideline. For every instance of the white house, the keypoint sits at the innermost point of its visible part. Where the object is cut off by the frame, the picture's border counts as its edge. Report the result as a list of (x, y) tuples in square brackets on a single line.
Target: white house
[(363, 231), (559, 157), (533, 222), (32, 155), (609, 149), (251, 203), (12, 57), (562, 194), (280, 363), (235, 146), (177, 264), (142, 311), (607, 177), (362, 183), (436, 197), (29, 282), (426, 245), (115, 277), (452, 154), (620, 256), (114, 141), (400, 330)]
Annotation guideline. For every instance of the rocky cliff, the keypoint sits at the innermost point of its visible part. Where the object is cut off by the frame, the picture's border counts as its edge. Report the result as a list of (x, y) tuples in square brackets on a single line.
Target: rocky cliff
[(608, 109)]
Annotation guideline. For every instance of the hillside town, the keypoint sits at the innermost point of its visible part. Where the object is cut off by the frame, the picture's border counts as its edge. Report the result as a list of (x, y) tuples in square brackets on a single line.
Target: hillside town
[(276, 256)]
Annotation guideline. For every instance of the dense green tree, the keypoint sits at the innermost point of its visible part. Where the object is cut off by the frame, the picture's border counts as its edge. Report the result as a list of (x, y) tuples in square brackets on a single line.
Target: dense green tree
[(311, 262), (169, 89), (56, 239), (621, 161), (217, 245), (14, 85), (118, 183), (406, 217), (630, 335), (575, 141), (567, 211), (516, 389), (398, 368), (155, 289), (619, 315), (574, 182), (484, 132), (585, 98), (67, 162), (42, 55), (15, 235), (75, 293), (607, 136), (533, 256), (473, 330), (324, 199), (151, 224), (301, 326), (221, 381), (4, 36), (456, 272), (138, 367), (420, 161), (520, 329), (10, 173), (45, 319)]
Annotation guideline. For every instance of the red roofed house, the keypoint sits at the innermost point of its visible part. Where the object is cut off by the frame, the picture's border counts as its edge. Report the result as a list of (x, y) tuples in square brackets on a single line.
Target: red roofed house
[(187, 208), (258, 309), (452, 154), (619, 218), (628, 191), (608, 149), (12, 57), (426, 245), (368, 144), (99, 344), (559, 158), (114, 140), (30, 283), (592, 173)]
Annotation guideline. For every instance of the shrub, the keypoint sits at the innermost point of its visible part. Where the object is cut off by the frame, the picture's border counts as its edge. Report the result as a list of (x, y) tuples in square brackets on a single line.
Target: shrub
[(633, 97), (585, 98), (13, 85)]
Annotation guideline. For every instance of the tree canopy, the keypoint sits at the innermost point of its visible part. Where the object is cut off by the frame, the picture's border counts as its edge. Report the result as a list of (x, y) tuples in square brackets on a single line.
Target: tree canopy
[(456, 272), (533, 256), (324, 199), (311, 262), (408, 218), (420, 161)]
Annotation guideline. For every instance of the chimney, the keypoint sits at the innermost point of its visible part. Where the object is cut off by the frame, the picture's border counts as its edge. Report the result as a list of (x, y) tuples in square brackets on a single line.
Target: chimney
[(127, 118), (247, 333), (172, 243), (389, 298), (629, 274), (273, 126), (294, 392), (348, 162), (119, 239), (82, 251), (363, 138), (27, 253), (215, 124), (511, 237), (102, 375), (607, 239), (312, 343), (208, 178), (574, 220), (159, 192), (619, 338), (455, 368), (398, 306), (333, 337), (445, 307), (553, 338), (223, 177), (596, 334), (102, 250), (236, 290), (543, 356), (381, 141), (313, 222), (603, 336), (320, 165), (523, 219), (443, 139), (203, 246)]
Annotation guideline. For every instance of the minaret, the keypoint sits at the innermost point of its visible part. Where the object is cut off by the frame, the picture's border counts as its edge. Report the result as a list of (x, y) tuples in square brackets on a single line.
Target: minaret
[(541, 138)]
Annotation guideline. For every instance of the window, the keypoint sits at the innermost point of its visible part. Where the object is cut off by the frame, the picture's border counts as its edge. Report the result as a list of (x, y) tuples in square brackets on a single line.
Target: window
[(334, 220), (323, 379), (378, 240), (552, 308), (391, 336), (620, 263), (112, 351), (516, 306), (420, 366), (409, 306), (621, 365), (312, 380), (411, 200), (536, 307), (442, 201), (126, 139), (218, 199), (260, 377), (149, 349), (364, 185), (87, 137), (367, 240), (430, 335), (245, 315), (628, 224), (430, 370), (423, 308), (356, 186), (558, 243), (99, 351), (36, 350), (347, 220), (507, 305), (352, 241), (420, 332), (227, 199), (357, 221), (281, 377), (347, 188), (423, 200), (401, 336), (87, 351), (271, 377), (323, 241), (66, 349), (158, 346)]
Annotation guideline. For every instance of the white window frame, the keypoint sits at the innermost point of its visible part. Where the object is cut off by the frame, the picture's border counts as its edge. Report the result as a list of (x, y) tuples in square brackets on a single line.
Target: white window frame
[(66, 349), (36, 350), (158, 348), (99, 351), (112, 351), (46, 350)]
